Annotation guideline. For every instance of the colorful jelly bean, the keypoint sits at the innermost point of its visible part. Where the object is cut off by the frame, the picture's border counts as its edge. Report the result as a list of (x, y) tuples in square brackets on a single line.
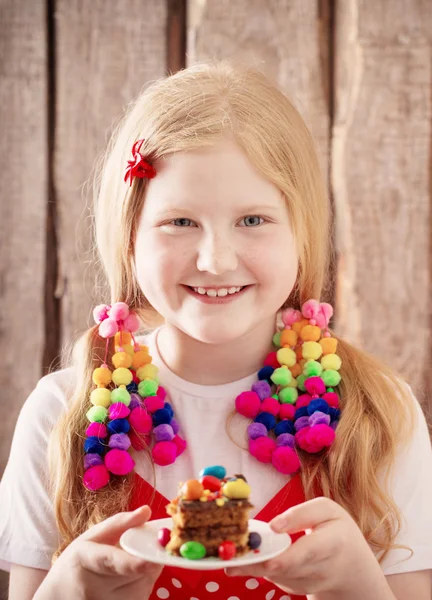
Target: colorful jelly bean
[(192, 550)]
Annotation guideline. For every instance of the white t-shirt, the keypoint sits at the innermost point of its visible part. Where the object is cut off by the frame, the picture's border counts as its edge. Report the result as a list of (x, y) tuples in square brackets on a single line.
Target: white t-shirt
[(28, 534)]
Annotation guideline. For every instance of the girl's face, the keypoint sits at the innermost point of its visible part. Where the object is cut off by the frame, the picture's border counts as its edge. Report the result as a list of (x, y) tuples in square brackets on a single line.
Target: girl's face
[(211, 224)]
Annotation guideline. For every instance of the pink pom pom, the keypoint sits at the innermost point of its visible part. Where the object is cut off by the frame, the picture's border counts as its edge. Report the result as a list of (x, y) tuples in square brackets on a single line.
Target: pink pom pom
[(303, 400), (324, 315), (139, 441), (119, 311), (270, 405), (100, 312), (119, 462), (161, 392), (108, 328), (310, 309), (140, 420), (271, 361), (287, 411), (164, 453), (132, 322), (332, 399), (285, 460), (118, 410), (321, 435), (248, 404), (97, 430), (180, 443), (96, 477), (262, 448), (153, 403), (315, 386), (290, 316), (301, 438)]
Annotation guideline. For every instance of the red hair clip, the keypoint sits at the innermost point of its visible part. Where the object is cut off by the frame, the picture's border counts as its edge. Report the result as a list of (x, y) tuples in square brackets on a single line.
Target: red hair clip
[(138, 166)]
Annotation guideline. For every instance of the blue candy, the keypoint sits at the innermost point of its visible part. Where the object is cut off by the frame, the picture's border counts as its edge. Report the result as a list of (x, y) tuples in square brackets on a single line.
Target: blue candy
[(215, 470)]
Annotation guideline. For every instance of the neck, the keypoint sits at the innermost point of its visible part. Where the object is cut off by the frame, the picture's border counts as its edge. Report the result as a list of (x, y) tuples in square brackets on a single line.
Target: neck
[(215, 364)]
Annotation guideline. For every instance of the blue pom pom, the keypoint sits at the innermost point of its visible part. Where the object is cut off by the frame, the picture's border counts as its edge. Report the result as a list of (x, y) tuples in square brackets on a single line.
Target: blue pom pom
[(93, 445), (284, 426), (265, 373), (266, 419), (132, 388), (334, 414), (161, 417), (169, 408), (301, 412), (118, 426), (318, 404)]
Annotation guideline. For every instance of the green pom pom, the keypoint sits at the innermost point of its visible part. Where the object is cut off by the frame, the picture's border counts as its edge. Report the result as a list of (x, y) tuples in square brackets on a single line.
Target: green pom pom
[(330, 390), (330, 377), (120, 395), (281, 376), (276, 339), (300, 382), (275, 396), (288, 395), (97, 414), (148, 387), (312, 368)]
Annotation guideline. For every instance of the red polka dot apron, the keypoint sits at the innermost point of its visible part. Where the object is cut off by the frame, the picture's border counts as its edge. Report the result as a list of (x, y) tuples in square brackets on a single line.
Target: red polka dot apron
[(184, 584)]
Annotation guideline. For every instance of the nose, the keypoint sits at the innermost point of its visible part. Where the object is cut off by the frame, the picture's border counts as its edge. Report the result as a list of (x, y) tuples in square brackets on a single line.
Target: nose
[(217, 256)]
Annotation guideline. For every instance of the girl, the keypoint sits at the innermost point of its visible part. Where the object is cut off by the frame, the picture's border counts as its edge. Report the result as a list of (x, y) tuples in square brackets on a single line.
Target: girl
[(212, 223)]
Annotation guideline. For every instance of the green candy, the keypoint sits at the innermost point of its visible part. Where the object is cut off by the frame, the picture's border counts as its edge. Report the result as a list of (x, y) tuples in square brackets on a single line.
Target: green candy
[(300, 382), (288, 395), (312, 369), (276, 339), (120, 395), (192, 550), (331, 377), (148, 387), (97, 414), (281, 376)]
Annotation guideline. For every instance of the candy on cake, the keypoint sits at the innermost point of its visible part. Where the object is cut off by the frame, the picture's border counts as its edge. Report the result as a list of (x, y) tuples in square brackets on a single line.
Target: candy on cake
[(210, 517)]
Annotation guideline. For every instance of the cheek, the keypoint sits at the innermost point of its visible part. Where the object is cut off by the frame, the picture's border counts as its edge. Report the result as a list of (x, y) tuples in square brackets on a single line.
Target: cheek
[(274, 260)]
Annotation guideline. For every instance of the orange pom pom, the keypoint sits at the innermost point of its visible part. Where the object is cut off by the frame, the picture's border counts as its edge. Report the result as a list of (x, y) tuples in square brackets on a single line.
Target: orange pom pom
[(296, 370), (297, 327), (102, 376), (310, 333), (126, 338), (288, 338), (299, 353), (329, 345), (121, 359), (141, 358)]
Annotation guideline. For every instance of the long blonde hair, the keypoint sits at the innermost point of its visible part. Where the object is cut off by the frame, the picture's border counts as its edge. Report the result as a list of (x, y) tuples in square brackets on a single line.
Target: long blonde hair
[(198, 107)]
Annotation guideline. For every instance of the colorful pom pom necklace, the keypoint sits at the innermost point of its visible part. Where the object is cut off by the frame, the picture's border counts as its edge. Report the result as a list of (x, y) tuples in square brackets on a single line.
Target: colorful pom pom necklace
[(130, 409)]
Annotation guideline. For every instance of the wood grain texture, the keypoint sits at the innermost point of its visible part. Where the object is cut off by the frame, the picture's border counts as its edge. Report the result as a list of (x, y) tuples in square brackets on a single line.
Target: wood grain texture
[(23, 194), (381, 180), (106, 52)]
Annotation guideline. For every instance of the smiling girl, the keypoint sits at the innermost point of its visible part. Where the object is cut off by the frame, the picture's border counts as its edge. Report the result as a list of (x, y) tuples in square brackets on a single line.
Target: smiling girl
[(212, 224)]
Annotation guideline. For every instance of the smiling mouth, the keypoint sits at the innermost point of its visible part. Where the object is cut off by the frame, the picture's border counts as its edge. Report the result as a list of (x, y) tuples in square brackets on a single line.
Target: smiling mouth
[(217, 292)]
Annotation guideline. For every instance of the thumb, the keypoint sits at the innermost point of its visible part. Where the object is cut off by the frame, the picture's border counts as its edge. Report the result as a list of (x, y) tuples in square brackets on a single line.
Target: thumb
[(110, 530), (309, 515)]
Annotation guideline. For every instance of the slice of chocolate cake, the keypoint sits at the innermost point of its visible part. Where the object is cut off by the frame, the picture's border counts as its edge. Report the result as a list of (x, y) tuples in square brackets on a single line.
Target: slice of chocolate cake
[(211, 512)]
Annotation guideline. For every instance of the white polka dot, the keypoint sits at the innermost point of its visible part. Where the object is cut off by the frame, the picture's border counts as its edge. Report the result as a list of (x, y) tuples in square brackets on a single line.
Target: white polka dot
[(162, 593), (193, 598), (285, 597), (233, 598), (212, 586), (176, 583), (270, 594), (251, 584)]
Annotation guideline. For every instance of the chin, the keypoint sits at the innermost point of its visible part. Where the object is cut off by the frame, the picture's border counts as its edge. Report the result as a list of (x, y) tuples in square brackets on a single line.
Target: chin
[(216, 332)]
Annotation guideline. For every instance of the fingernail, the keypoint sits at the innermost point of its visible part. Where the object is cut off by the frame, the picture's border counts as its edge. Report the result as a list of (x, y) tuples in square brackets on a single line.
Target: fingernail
[(279, 524)]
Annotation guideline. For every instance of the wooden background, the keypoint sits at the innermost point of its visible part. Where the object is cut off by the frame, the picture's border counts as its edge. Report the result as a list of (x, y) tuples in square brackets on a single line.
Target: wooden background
[(358, 70)]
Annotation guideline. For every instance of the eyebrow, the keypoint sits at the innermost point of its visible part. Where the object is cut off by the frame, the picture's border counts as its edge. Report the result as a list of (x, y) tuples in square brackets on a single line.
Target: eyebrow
[(247, 210)]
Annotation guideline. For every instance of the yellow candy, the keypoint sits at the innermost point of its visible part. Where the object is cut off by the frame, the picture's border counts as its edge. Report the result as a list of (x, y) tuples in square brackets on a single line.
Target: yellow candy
[(147, 371), (310, 333), (122, 376), (121, 359), (238, 489), (220, 501), (101, 397), (331, 361), (140, 359), (102, 376), (288, 337), (329, 345), (311, 350), (287, 357)]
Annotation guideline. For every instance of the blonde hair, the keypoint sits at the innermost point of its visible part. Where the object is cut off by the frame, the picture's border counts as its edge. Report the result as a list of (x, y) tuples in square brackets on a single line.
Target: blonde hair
[(198, 107)]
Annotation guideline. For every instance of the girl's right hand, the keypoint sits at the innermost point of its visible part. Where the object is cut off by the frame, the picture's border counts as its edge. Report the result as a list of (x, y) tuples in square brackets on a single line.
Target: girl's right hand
[(93, 566)]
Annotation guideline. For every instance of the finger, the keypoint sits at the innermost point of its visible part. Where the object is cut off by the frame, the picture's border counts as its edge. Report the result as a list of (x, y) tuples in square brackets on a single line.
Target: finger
[(110, 530), (101, 559), (308, 515)]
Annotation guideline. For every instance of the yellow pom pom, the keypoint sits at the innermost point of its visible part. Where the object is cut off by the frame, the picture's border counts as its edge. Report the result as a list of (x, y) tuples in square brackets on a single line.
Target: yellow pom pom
[(287, 357), (140, 359), (148, 371), (310, 333), (331, 361), (311, 350), (101, 397), (121, 359), (102, 376), (288, 337), (296, 370), (329, 345), (122, 376), (292, 383), (297, 327), (128, 349), (125, 336)]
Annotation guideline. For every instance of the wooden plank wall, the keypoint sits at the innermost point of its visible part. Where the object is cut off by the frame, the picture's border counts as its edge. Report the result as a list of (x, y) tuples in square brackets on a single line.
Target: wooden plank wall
[(359, 71)]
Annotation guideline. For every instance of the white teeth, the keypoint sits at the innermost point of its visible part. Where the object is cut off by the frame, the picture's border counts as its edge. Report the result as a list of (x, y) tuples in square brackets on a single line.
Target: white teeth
[(220, 293)]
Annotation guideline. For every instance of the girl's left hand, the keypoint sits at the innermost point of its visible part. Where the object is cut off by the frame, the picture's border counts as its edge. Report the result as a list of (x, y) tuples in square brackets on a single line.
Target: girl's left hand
[(333, 559)]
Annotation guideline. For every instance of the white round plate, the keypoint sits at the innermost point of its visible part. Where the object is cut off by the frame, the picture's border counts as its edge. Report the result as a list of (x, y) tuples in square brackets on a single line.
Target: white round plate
[(142, 542)]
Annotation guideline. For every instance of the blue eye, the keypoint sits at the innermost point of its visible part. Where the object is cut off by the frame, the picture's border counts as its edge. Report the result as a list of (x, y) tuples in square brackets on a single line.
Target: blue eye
[(253, 220)]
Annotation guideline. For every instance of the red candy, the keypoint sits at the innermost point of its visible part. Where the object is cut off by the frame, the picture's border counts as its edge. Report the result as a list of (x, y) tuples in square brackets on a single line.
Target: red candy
[(227, 550), (164, 536), (211, 483)]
